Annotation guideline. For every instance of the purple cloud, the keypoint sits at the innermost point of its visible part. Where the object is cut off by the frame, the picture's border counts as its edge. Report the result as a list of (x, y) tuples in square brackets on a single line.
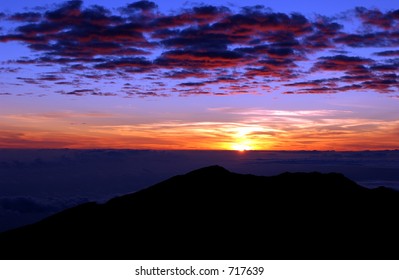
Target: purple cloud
[(198, 44)]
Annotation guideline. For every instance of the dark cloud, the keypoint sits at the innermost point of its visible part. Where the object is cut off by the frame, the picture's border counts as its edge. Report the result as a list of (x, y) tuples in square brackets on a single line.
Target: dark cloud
[(28, 80), (142, 5), (201, 15), (274, 51), (51, 77), (83, 92), (375, 39), (341, 63), (377, 18), (313, 83), (356, 78), (328, 27), (255, 22), (99, 16), (183, 74), (219, 81), (26, 17), (192, 84), (42, 28), (144, 94), (278, 63), (382, 85), (264, 71), (9, 69), (135, 91), (385, 67), (313, 90), (197, 39), (203, 55), (191, 91), (203, 59), (99, 93), (22, 38), (325, 31), (128, 62), (206, 14), (323, 88), (388, 53), (68, 11), (280, 52)]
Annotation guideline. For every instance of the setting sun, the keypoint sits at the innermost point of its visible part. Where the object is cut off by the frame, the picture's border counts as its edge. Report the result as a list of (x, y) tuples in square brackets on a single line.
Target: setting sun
[(241, 147)]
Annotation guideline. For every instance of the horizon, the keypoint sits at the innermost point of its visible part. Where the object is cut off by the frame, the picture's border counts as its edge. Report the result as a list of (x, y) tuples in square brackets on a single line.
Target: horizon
[(212, 76), (199, 150)]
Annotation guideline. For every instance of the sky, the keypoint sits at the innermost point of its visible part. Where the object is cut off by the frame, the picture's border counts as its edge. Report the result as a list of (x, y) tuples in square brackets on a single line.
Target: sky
[(211, 75)]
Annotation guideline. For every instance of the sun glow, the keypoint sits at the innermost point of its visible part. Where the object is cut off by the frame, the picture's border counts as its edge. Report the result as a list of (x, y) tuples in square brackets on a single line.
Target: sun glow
[(241, 147)]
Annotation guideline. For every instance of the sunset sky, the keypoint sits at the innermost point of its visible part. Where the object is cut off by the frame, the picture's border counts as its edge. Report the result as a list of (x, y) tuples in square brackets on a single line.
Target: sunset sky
[(288, 75)]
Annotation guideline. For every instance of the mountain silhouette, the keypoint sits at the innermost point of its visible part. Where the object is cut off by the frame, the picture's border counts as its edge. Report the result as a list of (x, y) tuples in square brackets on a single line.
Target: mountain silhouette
[(212, 213)]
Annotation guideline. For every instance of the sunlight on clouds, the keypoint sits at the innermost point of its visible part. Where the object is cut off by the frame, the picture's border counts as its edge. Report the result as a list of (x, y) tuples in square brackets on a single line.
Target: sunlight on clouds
[(187, 135), (254, 129), (324, 134), (242, 141), (241, 147)]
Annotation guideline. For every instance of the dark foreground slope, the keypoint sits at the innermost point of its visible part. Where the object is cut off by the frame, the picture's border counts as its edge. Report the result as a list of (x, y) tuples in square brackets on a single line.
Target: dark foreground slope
[(212, 213)]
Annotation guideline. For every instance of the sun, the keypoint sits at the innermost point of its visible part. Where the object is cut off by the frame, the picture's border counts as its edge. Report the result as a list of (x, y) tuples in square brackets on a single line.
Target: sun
[(241, 147)]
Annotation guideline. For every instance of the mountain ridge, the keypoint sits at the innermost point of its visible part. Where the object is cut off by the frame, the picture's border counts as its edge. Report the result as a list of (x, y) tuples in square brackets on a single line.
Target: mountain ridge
[(212, 213)]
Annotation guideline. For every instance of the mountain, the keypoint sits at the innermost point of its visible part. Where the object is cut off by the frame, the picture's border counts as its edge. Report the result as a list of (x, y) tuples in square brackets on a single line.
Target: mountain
[(212, 213)]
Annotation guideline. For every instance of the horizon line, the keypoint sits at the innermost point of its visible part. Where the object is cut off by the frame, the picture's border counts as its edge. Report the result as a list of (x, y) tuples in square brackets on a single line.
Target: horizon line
[(198, 150)]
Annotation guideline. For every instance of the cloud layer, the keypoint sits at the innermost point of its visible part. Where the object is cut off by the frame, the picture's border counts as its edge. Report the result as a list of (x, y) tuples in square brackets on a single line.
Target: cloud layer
[(205, 50), (257, 128)]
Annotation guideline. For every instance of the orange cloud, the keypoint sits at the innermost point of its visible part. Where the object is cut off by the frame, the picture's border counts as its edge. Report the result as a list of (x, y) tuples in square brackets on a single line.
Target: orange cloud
[(253, 128)]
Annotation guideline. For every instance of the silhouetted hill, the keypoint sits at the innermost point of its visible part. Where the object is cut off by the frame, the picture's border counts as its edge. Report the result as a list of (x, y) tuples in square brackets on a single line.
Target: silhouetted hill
[(212, 213)]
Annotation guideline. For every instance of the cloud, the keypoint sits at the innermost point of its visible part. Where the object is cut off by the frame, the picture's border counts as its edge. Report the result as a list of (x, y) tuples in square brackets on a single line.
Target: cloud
[(200, 59), (130, 62), (12, 139), (263, 24), (28, 80), (183, 74), (375, 39), (197, 44), (51, 77), (26, 17), (341, 63), (27, 204), (142, 5), (388, 53), (83, 92), (224, 127), (67, 11), (208, 13), (392, 67), (377, 18), (263, 129)]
